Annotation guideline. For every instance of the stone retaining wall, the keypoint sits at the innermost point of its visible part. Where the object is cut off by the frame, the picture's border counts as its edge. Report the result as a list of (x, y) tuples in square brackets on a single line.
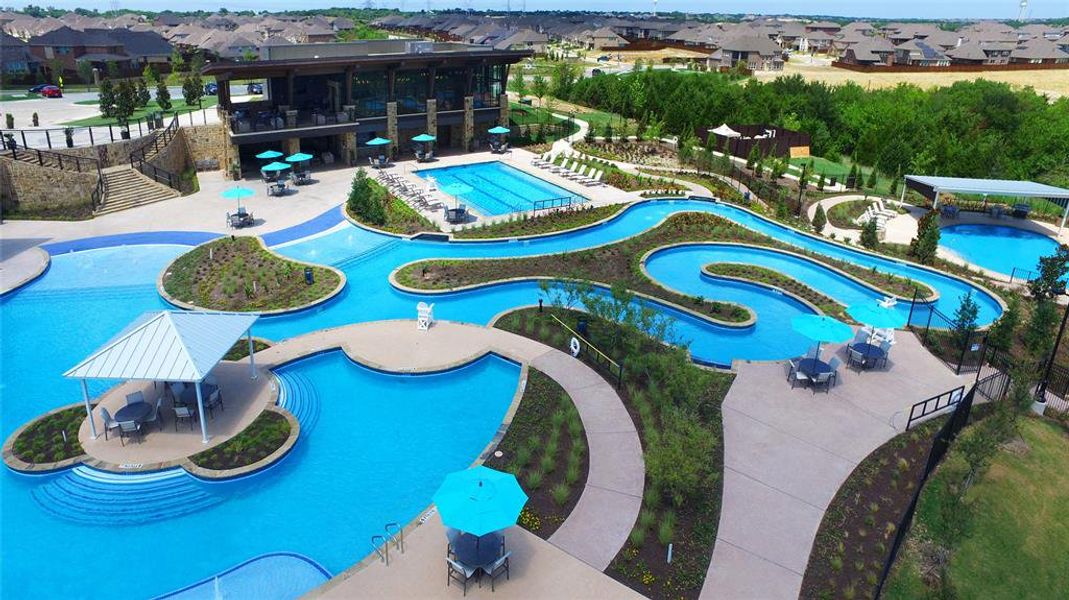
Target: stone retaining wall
[(208, 143), (109, 155), (33, 189)]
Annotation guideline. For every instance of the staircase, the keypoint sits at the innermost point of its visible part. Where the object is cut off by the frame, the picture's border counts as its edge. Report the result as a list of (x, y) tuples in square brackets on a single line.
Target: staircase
[(127, 188)]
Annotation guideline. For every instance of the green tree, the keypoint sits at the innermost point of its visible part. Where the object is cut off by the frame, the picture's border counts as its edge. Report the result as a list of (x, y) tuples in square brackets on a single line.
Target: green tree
[(106, 98), (519, 85), (1001, 334), (539, 87), (1052, 270), (820, 219), (112, 69), (142, 94), (894, 183), (964, 324), (871, 183), (249, 55), (192, 91), (365, 202), (1039, 333), (924, 246), (852, 178), (563, 77), (85, 72), (754, 157), (685, 149), (150, 75), (55, 70), (869, 236), (125, 103), (163, 96)]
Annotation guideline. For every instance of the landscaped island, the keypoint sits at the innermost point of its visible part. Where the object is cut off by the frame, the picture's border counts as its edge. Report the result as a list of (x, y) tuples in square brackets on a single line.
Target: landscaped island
[(552, 222), (43, 441), (256, 442), (240, 274)]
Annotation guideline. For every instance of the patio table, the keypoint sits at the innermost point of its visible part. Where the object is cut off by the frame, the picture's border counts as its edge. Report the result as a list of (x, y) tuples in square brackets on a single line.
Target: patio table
[(136, 412), (478, 551), (811, 367), (870, 352)]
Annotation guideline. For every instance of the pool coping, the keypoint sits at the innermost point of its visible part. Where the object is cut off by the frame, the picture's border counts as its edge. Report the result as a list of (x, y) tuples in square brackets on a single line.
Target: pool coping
[(25, 279), (342, 281)]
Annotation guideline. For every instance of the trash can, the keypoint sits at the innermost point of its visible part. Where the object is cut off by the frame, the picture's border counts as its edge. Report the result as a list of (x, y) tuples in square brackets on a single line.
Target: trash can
[(582, 326), (746, 195), (309, 277)]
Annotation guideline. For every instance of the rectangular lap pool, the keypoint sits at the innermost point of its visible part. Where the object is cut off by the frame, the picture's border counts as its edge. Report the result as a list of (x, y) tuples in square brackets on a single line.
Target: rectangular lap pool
[(494, 188)]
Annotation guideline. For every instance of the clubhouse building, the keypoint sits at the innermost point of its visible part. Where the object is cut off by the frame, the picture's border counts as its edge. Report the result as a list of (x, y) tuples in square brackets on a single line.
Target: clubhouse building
[(329, 99)]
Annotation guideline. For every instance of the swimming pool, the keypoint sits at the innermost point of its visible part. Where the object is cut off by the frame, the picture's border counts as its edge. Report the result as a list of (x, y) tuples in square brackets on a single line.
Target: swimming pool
[(87, 296), (373, 448), (494, 188), (998, 248)]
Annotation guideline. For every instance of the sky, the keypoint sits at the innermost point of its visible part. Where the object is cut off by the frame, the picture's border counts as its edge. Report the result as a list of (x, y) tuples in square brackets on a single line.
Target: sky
[(878, 9)]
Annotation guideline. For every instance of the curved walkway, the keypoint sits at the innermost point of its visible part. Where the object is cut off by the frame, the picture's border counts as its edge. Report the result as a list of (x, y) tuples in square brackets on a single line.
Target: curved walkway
[(600, 523)]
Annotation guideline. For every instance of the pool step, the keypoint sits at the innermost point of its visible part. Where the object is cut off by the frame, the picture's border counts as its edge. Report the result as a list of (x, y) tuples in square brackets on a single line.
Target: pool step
[(367, 254), (300, 397), (84, 495)]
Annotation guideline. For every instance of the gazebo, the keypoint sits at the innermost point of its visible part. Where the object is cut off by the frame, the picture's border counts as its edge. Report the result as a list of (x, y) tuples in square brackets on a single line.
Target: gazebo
[(932, 186), (169, 346)]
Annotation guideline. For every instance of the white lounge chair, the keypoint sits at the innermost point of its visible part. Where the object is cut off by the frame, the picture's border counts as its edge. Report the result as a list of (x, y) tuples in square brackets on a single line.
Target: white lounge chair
[(578, 174), (424, 316), (596, 178), (883, 210), (565, 165)]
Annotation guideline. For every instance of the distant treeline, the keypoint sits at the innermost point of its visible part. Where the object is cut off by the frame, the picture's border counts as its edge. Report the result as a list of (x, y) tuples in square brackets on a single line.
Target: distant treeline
[(969, 129)]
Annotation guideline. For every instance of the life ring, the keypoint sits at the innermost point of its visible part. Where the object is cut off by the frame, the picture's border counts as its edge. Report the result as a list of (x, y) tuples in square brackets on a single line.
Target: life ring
[(574, 346)]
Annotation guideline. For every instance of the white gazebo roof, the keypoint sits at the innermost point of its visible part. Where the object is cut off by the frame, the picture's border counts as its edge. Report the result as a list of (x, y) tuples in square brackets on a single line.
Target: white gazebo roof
[(168, 345), (726, 131), (990, 187)]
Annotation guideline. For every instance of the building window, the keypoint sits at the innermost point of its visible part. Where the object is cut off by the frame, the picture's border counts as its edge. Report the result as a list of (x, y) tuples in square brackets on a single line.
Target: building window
[(410, 91), (449, 87), (64, 49), (488, 86), (369, 94)]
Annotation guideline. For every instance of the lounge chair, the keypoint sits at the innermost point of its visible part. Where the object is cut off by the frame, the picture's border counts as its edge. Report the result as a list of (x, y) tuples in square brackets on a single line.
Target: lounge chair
[(459, 572), (155, 416), (883, 210), (129, 428), (109, 423), (597, 178), (424, 316), (565, 165), (577, 175), (497, 568)]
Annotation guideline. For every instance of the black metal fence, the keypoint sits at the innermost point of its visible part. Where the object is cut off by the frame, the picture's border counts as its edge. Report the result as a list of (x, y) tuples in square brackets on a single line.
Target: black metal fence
[(587, 350), (552, 203), (961, 350), (768, 189), (935, 404), (71, 137)]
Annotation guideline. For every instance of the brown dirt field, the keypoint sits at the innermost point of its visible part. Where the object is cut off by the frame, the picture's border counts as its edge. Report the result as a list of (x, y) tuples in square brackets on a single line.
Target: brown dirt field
[(1053, 83)]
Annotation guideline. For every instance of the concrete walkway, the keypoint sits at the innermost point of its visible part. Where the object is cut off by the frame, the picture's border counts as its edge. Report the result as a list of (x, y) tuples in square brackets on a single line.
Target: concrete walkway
[(21, 261), (787, 452), (608, 507)]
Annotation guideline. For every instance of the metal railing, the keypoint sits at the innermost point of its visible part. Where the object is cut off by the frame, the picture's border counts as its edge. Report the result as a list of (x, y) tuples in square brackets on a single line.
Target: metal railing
[(551, 203), (140, 159), (963, 352), (56, 137), (380, 543), (597, 356), (253, 121), (932, 405), (1021, 274)]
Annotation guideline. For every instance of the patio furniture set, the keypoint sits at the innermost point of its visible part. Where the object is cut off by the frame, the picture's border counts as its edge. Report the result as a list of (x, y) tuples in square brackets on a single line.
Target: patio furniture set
[(470, 557), (570, 168), (131, 419)]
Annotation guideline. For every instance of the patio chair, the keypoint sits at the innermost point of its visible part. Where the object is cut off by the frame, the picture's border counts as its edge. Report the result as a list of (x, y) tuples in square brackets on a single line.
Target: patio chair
[(498, 567), (451, 536), (459, 572), (597, 178), (794, 375), (822, 379), (109, 423), (215, 400), (886, 347), (134, 398), (184, 413), (855, 357), (813, 352), (578, 174), (155, 416), (834, 363), (129, 428)]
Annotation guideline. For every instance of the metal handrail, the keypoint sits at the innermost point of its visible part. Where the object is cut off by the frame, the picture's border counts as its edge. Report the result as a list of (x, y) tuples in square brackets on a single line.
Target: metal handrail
[(382, 548), (397, 535), (619, 368), (941, 401), (139, 158)]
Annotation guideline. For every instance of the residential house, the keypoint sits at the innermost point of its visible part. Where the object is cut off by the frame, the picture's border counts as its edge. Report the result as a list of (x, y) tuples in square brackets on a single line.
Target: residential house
[(1037, 51), (917, 52), (15, 57), (65, 47), (756, 53), (981, 53), (874, 51), (524, 39)]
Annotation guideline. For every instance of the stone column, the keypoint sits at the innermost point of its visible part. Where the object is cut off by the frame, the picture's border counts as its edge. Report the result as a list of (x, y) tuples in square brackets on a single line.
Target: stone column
[(350, 111), (291, 145), (291, 119), (348, 147), (432, 117), (506, 110), (391, 125), (469, 123)]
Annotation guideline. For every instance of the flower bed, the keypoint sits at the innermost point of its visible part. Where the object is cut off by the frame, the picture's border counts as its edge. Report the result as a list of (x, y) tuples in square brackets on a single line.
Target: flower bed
[(239, 274), (676, 407), (545, 447), (653, 154), (774, 278), (373, 205), (844, 214), (43, 442), (550, 222), (256, 442)]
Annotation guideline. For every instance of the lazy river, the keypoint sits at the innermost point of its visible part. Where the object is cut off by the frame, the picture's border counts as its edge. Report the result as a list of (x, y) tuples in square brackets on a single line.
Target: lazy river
[(87, 296)]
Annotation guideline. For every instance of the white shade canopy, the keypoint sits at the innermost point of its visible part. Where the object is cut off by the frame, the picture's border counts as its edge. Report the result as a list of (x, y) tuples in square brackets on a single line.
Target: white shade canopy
[(170, 345), (726, 131), (990, 187)]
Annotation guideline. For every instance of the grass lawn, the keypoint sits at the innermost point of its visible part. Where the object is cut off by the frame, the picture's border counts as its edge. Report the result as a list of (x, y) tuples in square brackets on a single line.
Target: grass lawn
[(521, 114), (17, 97), (1017, 537), (178, 106), (239, 274), (839, 170)]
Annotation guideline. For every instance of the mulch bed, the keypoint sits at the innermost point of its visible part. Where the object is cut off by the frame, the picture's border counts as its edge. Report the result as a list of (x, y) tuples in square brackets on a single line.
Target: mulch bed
[(262, 437), (533, 421), (42, 442), (550, 222)]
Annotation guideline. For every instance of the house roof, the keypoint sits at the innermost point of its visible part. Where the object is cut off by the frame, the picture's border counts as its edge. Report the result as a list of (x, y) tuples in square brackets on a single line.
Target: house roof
[(169, 345), (751, 43), (1039, 49), (870, 50)]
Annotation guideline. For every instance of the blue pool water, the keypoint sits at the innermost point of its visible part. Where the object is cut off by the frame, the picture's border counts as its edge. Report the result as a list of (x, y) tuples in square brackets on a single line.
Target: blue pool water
[(373, 449), (494, 188), (998, 248), (306, 505)]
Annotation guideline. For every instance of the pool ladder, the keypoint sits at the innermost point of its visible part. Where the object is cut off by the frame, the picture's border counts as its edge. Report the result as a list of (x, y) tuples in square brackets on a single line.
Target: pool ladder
[(381, 543)]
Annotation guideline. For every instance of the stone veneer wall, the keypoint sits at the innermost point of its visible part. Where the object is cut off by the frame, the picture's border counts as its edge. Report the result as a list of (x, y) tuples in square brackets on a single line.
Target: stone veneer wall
[(209, 142), (175, 158), (432, 117), (469, 123), (110, 154), (391, 126), (32, 189), (506, 111)]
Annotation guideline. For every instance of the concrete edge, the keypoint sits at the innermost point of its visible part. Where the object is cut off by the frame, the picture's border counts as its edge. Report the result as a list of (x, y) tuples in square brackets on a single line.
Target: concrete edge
[(342, 281), (30, 278), (18, 465)]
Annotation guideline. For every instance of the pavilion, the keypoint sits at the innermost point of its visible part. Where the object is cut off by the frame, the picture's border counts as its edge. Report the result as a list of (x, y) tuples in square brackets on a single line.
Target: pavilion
[(167, 346), (931, 186)]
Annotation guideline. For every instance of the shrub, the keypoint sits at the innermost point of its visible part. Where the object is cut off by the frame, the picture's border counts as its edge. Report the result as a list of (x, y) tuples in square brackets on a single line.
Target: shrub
[(638, 537), (678, 462), (548, 464), (820, 219), (869, 236), (523, 456), (571, 475), (561, 492), (534, 479), (924, 246), (666, 531)]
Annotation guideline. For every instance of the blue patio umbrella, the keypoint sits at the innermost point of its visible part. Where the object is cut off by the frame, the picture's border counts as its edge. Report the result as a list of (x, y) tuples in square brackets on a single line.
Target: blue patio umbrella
[(299, 157), (378, 141), (499, 130), (269, 155), (480, 500), (275, 166), (821, 329), (237, 193), (876, 316), (424, 138)]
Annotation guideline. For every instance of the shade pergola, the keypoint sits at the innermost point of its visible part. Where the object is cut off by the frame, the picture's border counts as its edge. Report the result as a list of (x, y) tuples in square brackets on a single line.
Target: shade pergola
[(932, 186), (170, 345)]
